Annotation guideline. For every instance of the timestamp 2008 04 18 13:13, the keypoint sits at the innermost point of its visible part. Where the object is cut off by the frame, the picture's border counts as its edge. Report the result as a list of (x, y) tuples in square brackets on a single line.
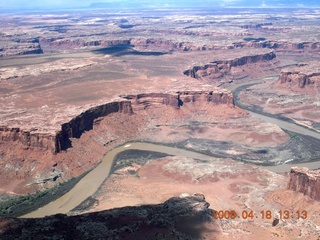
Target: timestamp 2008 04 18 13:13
[(264, 214)]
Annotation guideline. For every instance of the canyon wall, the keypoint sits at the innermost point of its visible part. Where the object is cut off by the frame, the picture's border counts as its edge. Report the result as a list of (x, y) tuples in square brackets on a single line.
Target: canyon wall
[(36, 160), (305, 181), (296, 77), (219, 68), (33, 140), (17, 46), (302, 75), (279, 45), (45, 45), (54, 44), (84, 122), (171, 45), (29, 139)]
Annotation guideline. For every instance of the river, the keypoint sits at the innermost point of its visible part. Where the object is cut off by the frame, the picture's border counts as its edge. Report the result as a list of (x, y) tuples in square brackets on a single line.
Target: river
[(90, 183)]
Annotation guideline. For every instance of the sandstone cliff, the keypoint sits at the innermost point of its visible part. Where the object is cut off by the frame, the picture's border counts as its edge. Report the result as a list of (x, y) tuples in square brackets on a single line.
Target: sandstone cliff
[(305, 181), (217, 69), (17, 46), (279, 45), (29, 138), (54, 44), (33, 140), (84, 122), (302, 75)]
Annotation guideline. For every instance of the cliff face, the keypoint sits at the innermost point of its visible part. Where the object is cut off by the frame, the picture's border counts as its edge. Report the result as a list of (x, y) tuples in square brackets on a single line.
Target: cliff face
[(302, 75), (85, 121), (295, 77), (37, 159), (36, 141), (20, 47), (43, 44), (278, 45), (219, 68), (222, 97), (54, 44), (72, 129), (305, 181)]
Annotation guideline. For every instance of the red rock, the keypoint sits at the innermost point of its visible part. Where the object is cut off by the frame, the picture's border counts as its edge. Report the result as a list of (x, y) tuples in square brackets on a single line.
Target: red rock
[(226, 65), (305, 181)]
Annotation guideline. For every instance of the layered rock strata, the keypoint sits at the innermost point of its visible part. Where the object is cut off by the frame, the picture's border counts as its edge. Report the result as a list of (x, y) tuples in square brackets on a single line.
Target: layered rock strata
[(171, 45), (56, 44), (219, 68), (302, 75), (84, 122), (279, 45), (305, 181), (18, 46)]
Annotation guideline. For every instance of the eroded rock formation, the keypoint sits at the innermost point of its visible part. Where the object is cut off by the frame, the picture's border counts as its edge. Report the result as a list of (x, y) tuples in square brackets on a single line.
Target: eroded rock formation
[(176, 218), (217, 69), (84, 122), (54, 44), (279, 45), (32, 157), (19, 46), (302, 75), (33, 140), (305, 181)]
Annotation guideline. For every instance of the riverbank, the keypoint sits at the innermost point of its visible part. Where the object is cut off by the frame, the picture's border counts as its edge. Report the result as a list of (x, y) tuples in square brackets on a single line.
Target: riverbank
[(188, 148)]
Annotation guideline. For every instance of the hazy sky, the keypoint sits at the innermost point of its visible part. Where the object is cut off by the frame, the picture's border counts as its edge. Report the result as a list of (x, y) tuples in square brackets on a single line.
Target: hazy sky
[(54, 4)]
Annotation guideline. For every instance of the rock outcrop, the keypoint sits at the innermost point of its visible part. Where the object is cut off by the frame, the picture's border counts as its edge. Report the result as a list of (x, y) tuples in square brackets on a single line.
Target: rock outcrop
[(279, 45), (296, 77), (54, 44), (176, 218), (17, 46), (305, 181), (84, 122), (33, 140), (302, 75), (217, 69), (30, 139)]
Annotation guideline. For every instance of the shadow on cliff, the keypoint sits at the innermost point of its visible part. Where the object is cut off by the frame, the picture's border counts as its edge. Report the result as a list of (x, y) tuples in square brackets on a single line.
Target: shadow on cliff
[(123, 50), (177, 218)]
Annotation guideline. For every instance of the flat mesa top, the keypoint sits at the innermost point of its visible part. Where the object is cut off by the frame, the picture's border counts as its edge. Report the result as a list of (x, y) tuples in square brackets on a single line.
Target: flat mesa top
[(57, 88)]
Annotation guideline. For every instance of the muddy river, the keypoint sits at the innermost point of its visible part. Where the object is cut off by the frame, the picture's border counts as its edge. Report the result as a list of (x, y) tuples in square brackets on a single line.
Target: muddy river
[(90, 183)]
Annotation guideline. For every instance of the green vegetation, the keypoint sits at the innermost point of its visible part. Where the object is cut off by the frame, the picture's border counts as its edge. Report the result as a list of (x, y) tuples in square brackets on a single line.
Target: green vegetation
[(9, 207), (17, 206), (292, 135)]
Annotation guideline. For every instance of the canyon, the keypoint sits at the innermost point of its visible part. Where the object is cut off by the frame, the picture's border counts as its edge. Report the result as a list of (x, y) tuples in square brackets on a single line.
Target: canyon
[(76, 85)]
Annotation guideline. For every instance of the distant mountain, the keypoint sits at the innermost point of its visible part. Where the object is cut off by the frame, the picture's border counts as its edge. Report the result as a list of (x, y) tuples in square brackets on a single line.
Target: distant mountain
[(204, 3), (138, 4)]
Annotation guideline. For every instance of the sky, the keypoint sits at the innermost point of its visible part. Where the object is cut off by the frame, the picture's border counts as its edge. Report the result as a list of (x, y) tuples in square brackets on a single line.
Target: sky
[(58, 4)]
